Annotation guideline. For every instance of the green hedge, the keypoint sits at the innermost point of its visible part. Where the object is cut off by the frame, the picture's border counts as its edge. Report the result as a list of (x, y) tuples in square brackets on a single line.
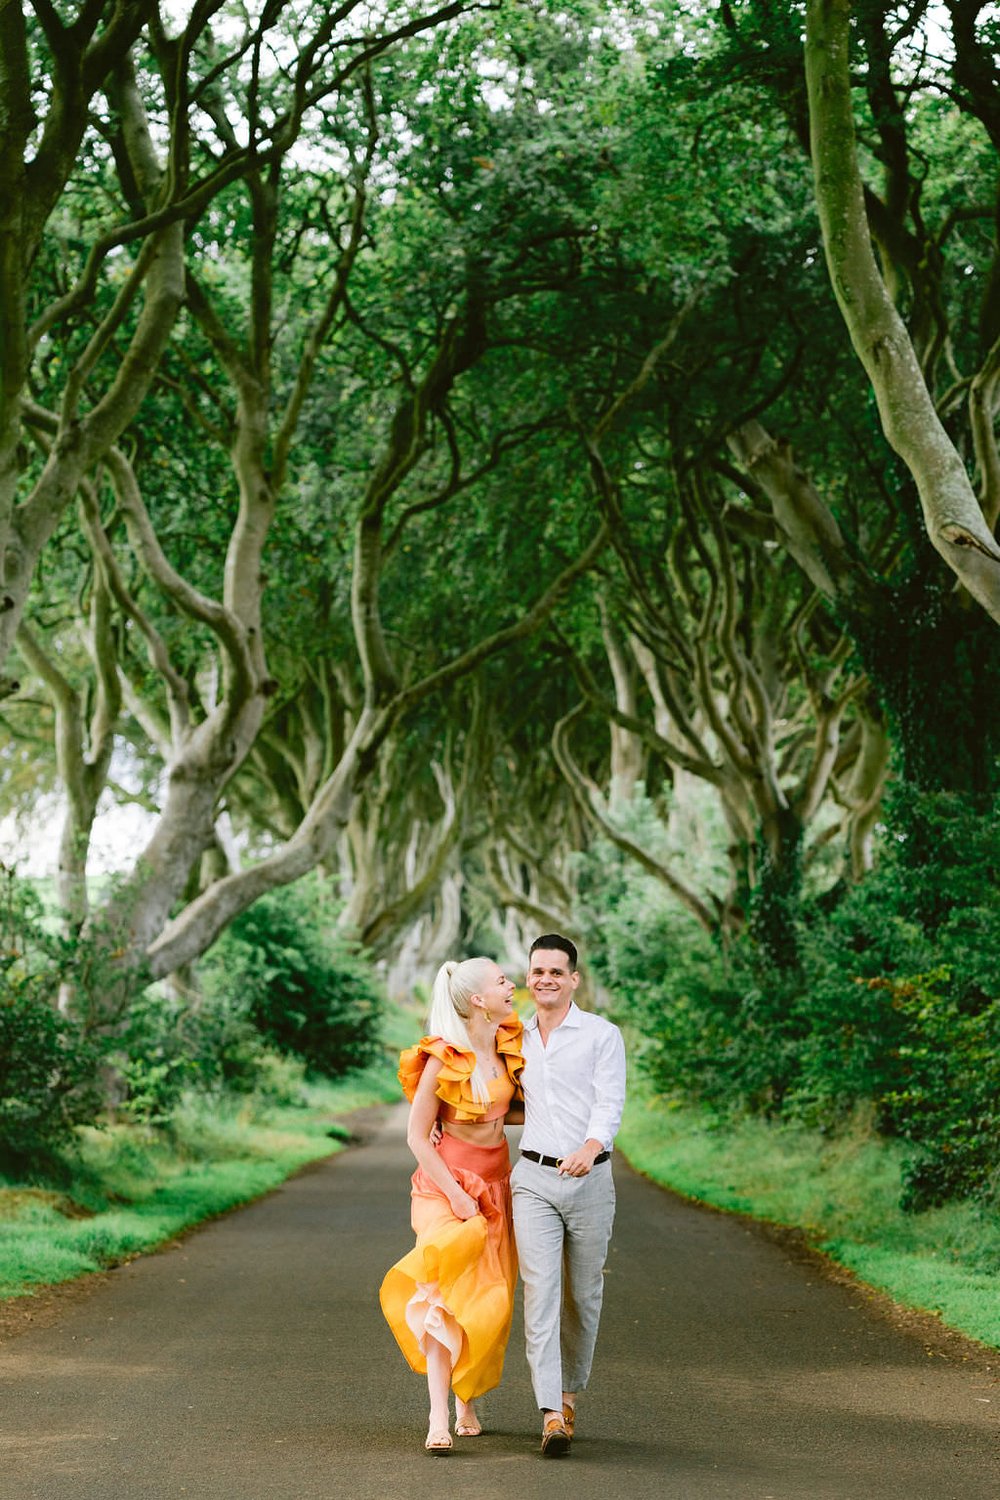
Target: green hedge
[(892, 1000)]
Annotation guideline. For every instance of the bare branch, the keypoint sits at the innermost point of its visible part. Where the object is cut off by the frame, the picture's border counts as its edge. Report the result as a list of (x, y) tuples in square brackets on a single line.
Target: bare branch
[(226, 626), (105, 331), (457, 482), (984, 402), (701, 766), (589, 799), (952, 515), (334, 303), (159, 657), (529, 622)]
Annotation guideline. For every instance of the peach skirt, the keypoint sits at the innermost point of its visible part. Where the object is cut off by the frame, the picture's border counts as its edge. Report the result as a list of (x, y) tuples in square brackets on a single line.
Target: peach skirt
[(457, 1283)]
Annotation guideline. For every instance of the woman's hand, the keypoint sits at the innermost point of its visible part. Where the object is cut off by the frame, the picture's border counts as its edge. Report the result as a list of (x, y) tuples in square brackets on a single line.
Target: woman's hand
[(463, 1205)]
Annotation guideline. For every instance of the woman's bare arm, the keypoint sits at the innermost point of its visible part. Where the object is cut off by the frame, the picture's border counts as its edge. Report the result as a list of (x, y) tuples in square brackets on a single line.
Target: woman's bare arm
[(423, 1114)]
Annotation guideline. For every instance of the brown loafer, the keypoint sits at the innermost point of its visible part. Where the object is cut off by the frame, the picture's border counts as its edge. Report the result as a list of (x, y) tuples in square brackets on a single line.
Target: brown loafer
[(555, 1437), (569, 1418)]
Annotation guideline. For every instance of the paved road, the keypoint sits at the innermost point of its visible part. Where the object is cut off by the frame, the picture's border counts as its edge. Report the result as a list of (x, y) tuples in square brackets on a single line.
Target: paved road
[(250, 1362)]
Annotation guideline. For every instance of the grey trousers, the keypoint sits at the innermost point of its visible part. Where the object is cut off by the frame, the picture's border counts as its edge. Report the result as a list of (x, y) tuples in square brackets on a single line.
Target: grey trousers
[(562, 1226)]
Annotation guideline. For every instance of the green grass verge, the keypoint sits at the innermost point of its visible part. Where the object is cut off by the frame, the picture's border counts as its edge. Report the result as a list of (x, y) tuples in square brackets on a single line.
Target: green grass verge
[(133, 1189), (842, 1191)]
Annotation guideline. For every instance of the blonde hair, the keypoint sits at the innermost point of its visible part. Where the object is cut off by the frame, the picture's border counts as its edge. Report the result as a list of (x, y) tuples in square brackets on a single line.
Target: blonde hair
[(451, 1007)]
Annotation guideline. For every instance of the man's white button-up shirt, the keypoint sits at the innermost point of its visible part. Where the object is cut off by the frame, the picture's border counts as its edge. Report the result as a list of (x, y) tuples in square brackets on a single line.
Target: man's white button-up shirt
[(574, 1087)]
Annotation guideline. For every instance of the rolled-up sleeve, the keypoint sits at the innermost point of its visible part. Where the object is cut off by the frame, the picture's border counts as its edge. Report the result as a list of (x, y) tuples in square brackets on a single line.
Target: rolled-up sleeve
[(608, 1086)]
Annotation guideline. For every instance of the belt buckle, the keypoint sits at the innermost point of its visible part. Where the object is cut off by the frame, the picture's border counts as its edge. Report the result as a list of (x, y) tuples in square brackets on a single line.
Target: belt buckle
[(559, 1162)]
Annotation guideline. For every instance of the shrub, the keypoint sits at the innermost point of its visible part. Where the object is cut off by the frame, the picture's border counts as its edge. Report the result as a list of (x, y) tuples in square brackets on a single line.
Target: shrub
[(663, 978), (948, 1100), (170, 1045), (48, 1067), (306, 988), (894, 1002)]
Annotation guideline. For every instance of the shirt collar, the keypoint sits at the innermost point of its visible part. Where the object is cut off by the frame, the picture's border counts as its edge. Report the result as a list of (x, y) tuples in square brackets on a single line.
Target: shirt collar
[(571, 1018)]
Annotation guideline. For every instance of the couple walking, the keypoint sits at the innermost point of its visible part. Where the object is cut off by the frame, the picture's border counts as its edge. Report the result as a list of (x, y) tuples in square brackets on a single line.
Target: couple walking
[(449, 1301)]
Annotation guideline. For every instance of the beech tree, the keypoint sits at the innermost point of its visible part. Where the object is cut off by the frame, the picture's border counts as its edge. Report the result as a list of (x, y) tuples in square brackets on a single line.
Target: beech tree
[(726, 673), (789, 431), (960, 523), (263, 252), (52, 73), (228, 83), (349, 355)]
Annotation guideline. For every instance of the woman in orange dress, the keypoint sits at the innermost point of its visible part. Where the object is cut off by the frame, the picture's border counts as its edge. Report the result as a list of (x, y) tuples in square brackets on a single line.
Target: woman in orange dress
[(449, 1301)]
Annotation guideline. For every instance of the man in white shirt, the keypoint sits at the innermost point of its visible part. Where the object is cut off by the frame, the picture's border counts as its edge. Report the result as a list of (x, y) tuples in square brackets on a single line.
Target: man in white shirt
[(564, 1195)]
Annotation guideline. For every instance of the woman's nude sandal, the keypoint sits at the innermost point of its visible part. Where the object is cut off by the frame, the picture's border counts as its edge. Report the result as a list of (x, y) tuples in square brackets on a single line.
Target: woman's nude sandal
[(467, 1424), (438, 1441)]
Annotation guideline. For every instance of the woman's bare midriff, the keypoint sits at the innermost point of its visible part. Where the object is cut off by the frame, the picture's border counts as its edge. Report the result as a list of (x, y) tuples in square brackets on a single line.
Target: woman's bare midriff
[(475, 1132)]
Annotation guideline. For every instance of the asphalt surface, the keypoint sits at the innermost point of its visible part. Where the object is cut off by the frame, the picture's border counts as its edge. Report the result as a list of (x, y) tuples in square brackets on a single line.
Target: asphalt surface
[(250, 1362)]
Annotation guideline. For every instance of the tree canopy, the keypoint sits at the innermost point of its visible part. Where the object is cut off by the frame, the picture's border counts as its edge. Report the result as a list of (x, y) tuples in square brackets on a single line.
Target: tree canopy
[(428, 431)]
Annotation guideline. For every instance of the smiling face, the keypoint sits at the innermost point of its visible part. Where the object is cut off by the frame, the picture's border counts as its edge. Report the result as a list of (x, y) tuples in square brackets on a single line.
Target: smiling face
[(495, 995), (551, 981)]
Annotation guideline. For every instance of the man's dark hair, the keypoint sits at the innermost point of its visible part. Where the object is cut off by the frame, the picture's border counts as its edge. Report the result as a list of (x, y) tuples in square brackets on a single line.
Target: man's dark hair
[(553, 940)]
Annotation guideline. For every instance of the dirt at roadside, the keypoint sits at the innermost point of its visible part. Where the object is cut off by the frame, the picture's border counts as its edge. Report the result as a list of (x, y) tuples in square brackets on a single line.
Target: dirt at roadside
[(46, 1306)]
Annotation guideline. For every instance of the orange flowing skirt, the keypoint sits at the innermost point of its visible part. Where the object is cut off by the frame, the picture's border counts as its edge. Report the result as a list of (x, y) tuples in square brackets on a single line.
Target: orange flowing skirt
[(457, 1283)]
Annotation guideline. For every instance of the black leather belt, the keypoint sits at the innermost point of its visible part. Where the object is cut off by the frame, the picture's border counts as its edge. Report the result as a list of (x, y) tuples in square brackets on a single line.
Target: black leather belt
[(557, 1161)]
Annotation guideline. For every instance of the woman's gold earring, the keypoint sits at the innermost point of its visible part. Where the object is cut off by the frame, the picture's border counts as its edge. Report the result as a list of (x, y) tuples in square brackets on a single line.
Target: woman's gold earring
[(486, 1014)]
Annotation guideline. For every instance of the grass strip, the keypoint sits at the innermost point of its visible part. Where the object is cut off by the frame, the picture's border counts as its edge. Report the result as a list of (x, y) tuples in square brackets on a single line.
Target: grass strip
[(133, 1189), (842, 1191)]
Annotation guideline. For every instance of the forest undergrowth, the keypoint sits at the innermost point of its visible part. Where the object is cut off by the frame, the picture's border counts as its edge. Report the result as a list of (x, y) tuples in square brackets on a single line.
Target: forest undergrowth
[(131, 1188), (113, 1143)]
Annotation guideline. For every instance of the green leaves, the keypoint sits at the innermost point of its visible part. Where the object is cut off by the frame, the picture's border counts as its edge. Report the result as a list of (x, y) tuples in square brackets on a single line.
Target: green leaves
[(305, 988), (48, 1065)]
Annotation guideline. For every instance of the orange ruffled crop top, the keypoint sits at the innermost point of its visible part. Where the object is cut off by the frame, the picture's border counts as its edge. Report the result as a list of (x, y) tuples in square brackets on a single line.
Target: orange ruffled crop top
[(454, 1082)]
